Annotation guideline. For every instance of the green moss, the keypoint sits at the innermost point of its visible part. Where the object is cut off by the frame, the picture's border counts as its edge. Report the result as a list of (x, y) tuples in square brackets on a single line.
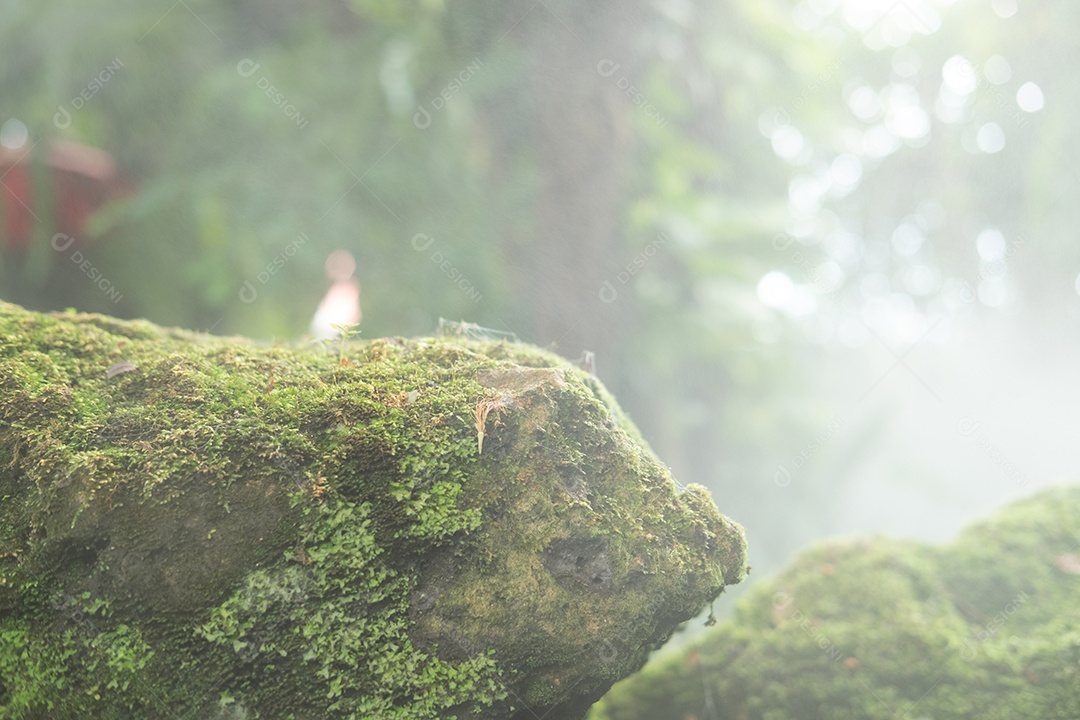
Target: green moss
[(986, 627), (395, 528), (91, 657), (349, 611)]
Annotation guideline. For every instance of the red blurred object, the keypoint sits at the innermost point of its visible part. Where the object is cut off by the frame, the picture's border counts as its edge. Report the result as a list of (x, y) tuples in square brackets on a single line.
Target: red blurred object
[(83, 180)]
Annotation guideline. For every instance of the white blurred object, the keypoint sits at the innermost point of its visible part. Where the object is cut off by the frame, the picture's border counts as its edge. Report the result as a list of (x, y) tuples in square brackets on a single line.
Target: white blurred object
[(341, 304)]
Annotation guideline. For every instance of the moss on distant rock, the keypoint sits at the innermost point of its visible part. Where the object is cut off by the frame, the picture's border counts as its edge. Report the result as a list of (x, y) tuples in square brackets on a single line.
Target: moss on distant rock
[(987, 627), (432, 528)]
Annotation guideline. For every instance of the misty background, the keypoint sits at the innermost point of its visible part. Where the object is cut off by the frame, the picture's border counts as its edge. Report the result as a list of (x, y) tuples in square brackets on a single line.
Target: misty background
[(824, 253)]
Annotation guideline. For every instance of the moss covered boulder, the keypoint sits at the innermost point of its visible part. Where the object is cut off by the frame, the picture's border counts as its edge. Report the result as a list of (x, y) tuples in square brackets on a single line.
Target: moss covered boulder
[(987, 627), (197, 527)]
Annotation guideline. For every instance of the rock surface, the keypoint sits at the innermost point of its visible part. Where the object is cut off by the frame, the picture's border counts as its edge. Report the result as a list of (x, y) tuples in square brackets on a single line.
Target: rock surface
[(198, 527), (987, 627)]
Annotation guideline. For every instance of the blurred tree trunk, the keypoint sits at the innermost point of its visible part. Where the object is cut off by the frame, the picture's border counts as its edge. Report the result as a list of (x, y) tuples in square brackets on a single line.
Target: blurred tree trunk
[(583, 134)]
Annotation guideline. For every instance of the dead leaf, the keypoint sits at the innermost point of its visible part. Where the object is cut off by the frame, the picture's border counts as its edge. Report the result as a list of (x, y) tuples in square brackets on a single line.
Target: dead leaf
[(519, 379), (483, 408), (118, 369)]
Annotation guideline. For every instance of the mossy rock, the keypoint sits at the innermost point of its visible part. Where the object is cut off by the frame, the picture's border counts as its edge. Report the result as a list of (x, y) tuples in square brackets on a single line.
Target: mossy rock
[(199, 527), (987, 627)]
